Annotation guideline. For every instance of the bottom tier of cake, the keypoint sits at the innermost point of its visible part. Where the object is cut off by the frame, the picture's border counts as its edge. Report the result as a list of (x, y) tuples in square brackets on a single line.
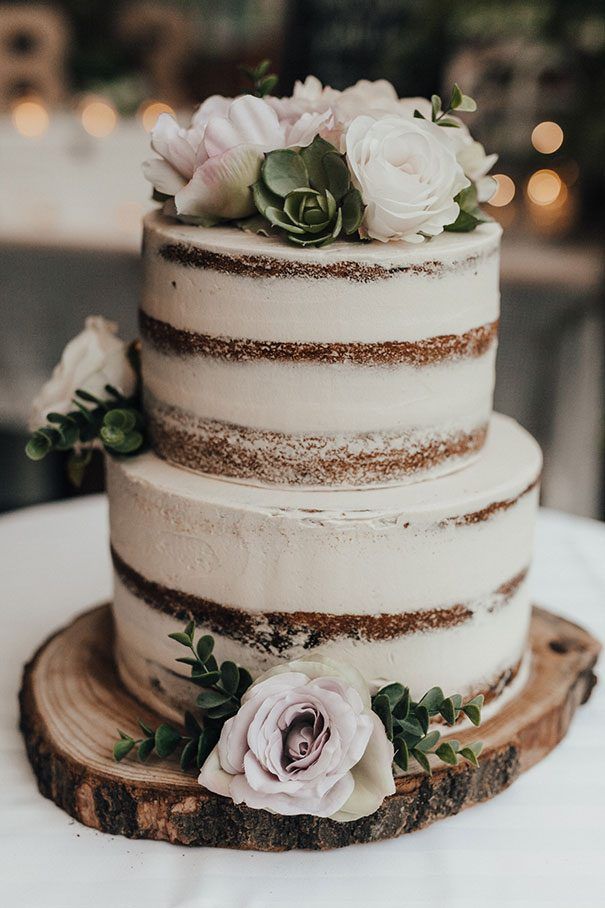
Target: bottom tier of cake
[(424, 584)]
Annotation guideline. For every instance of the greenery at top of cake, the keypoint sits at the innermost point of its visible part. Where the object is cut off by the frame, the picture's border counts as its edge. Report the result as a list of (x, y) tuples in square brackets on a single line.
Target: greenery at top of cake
[(323, 164)]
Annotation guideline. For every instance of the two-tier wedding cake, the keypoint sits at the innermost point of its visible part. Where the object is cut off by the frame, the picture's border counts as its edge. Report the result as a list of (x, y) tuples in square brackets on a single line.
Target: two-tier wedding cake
[(326, 474), (304, 471)]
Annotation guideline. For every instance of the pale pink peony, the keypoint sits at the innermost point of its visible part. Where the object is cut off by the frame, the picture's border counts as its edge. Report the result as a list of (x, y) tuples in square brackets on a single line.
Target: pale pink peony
[(305, 741), (210, 166)]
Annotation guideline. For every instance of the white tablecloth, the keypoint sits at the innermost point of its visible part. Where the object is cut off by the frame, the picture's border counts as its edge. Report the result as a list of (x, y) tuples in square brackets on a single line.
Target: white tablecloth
[(541, 843)]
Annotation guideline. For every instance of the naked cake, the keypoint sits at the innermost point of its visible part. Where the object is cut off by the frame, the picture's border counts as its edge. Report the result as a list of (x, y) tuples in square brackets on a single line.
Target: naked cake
[(320, 531)]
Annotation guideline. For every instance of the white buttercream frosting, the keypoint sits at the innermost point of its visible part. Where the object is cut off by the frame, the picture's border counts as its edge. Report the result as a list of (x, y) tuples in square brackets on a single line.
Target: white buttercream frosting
[(402, 294), (365, 552)]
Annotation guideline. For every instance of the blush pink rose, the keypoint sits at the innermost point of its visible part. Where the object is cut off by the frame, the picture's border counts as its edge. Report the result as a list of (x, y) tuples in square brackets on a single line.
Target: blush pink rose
[(305, 741)]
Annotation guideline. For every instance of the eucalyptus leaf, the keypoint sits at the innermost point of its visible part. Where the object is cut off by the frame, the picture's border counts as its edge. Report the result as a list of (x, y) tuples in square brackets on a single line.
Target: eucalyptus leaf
[(225, 710), (448, 711), (393, 692), (167, 739), (230, 676), (188, 754), (402, 754), (422, 759), (122, 748), (211, 698), (181, 637), (204, 647), (245, 680), (456, 99), (428, 742), (469, 755), (432, 700), (473, 712), (447, 754), (382, 708), (146, 748)]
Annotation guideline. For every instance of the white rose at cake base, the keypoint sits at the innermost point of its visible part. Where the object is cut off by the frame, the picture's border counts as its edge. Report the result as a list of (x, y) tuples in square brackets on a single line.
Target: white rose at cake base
[(305, 741), (408, 177), (93, 359)]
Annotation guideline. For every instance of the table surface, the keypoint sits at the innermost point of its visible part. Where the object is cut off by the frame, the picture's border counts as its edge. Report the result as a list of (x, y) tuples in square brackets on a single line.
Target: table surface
[(541, 843)]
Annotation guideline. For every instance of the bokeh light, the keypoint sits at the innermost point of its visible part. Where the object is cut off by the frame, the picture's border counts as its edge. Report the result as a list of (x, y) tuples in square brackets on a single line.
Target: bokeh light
[(30, 118), (505, 192), (98, 117), (545, 187), (149, 112), (547, 137)]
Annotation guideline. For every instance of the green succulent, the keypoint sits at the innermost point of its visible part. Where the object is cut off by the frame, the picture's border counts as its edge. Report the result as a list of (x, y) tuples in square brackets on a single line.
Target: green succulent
[(307, 193)]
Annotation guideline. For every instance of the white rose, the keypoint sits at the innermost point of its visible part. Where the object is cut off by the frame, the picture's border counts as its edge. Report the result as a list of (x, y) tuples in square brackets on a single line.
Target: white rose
[(94, 358), (476, 164), (471, 155), (305, 741), (407, 174)]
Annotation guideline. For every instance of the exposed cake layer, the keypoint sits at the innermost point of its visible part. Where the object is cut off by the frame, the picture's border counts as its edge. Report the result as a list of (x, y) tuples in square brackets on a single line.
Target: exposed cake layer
[(354, 365), (424, 583)]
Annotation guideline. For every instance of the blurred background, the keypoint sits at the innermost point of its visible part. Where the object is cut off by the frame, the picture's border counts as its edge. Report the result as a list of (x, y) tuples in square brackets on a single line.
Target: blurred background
[(83, 81)]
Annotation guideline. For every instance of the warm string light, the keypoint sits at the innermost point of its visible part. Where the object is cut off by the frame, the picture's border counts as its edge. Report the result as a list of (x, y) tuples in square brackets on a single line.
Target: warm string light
[(545, 187), (98, 117), (30, 118), (547, 137), (149, 112), (505, 192)]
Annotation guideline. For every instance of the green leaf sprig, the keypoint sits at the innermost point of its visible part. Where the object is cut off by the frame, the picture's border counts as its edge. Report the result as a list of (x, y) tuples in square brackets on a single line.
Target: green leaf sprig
[(458, 102), (406, 722), (195, 745), (407, 725), (262, 81), (116, 421), (221, 697), (306, 194)]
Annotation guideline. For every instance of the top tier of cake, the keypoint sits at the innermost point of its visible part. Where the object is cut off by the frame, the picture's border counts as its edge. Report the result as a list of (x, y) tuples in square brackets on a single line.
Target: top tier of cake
[(352, 365)]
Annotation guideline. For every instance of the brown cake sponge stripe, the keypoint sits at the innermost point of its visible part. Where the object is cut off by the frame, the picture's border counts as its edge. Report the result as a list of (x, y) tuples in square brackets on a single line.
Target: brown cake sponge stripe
[(266, 266), (494, 508), (239, 452), (177, 341), (276, 632)]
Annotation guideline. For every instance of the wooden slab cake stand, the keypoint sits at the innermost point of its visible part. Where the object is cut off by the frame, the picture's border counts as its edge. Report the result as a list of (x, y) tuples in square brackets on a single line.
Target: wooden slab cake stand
[(72, 702)]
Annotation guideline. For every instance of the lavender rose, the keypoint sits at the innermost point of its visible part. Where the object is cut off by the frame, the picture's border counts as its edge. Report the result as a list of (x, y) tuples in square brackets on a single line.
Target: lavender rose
[(305, 741)]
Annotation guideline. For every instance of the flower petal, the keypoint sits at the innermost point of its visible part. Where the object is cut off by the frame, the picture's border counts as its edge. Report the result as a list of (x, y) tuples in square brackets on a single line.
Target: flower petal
[(163, 176), (250, 121), (213, 777), (220, 187), (373, 776)]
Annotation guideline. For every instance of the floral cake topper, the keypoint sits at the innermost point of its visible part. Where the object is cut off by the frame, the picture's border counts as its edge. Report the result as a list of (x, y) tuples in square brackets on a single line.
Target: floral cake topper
[(324, 164)]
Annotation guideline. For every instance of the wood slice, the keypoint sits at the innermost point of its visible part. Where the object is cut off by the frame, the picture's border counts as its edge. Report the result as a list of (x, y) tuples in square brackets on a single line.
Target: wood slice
[(72, 701)]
